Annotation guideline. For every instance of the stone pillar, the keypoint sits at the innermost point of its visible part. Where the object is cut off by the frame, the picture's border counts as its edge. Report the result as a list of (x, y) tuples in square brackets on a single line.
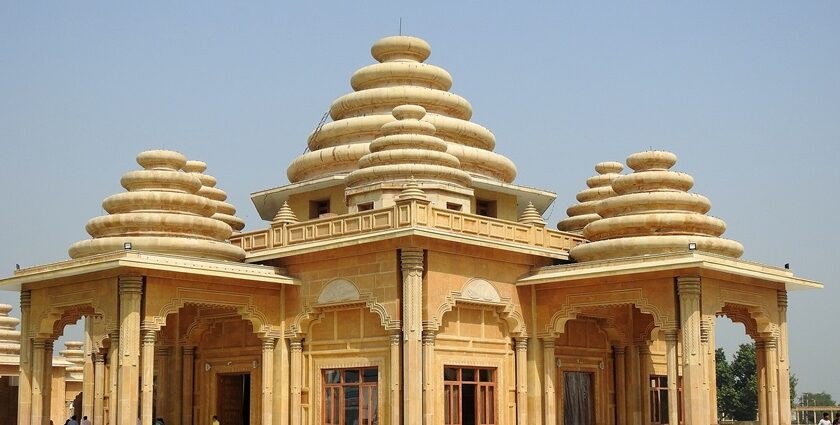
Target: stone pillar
[(671, 336), (113, 376), (521, 380), (87, 372), (131, 293), (695, 399), (395, 376), (25, 370), (281, 383), (429, 377), (267, 379), (147, 383), (163, 378), (39, 377), (550, 375), (187, 369), (761, 381), (784, 363), (98, 389), (177, 382), (771, 364), (620, 394), (412, 323), (644, 381), (707, 339), (46, 387), (297, 362), (632, 392)]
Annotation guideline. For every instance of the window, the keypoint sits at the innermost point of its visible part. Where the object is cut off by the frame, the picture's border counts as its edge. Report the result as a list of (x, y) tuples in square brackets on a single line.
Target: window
[(367, 206), (659, 400), (453, 206), (469, 396), (316, 208), (350, 396), (485, 208)]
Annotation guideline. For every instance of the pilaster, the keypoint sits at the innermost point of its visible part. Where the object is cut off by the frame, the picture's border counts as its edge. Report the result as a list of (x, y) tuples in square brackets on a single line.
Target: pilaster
[(771, 365), (395, 377), (784, 363), (631, 382), (187, 358), (38, 379), (267, 379), (695, 398), (429, 400), (550, 375), (521, 347), (671, 337), (620, 388), (147, 381), (761, 380), (163, 394), (25, 371), (98, 389), (130, 293), (412, 272), (46, 387), (87, 372), (296, 348), (281, 383), (644, 381), (707, 341), (113, 376)]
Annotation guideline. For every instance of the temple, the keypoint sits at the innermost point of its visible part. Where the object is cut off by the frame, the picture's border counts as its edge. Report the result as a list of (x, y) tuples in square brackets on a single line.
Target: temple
[(402, 277)]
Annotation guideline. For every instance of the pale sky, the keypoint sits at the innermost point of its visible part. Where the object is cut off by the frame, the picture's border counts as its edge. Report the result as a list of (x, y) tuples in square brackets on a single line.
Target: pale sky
[(747, 94)]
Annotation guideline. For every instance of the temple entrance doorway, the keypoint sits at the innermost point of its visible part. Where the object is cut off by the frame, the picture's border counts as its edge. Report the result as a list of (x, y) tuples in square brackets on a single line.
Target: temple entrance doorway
[(234, 398), (469, 396), (578, 404)]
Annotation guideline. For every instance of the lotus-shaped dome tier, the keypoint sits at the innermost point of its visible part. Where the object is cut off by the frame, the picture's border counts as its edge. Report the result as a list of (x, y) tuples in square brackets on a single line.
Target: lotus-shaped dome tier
[(599, 189), (9, 336), (225, 212), (163, 211), (400, 78), (74, 353), (653, 213), (408, 149)]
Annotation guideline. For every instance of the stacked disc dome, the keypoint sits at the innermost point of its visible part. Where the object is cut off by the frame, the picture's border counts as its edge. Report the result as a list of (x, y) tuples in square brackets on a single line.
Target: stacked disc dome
[(161, 212), (225, 212), (74, 353), (600, 188), (400, 78), (408, 149), (653, 213), (9, 337)]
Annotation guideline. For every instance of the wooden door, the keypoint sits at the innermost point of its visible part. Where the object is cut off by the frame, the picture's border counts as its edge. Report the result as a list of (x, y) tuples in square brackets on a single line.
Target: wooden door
[(578, 401), (232, 403)]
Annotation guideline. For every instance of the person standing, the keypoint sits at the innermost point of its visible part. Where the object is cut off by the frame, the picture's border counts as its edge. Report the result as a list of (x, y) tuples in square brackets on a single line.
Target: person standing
[(826, 420), (73, 421), (85, 420), (215, 420)]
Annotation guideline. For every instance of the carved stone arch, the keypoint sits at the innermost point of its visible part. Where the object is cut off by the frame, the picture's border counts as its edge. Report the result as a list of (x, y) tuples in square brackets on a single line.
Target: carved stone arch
[(747, 308), (481, 293), (53, 320), (575, 304), (239, 303), (339, 294)]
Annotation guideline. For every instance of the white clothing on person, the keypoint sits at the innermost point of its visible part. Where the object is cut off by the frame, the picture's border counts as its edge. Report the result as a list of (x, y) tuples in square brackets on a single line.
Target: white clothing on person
[(85, 422), (825, 422)]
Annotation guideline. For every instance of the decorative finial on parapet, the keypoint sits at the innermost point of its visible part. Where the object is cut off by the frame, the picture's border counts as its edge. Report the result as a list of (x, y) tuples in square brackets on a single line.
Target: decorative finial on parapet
[(531, 216), (412, 191), (285, 215)]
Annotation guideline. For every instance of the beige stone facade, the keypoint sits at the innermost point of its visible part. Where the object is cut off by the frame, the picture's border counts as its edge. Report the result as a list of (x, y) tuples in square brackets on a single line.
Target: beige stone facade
[(403, 279)]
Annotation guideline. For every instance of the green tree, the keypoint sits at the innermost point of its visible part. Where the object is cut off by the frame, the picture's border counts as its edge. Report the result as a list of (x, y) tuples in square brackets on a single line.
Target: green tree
[(725, 385), (793, 382), (816, 399), (746, 397)]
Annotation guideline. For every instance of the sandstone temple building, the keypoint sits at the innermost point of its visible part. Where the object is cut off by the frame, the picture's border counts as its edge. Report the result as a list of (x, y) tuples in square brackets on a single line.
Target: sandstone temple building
[(402, 277)]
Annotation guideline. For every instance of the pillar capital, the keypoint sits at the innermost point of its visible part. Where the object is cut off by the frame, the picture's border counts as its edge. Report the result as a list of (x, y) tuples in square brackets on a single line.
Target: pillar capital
[(688, 285), (759, 344), (25, 299), (644, 350), (268, 343), (429, 337), (162, 351), (187, 351), (98, 358), (148, 336), (521, 343), (671, 334), (395, 338), (130, 284), (782, 299), (296, 345), (411, 259), (771, 343), (548, 342), (618, 350)]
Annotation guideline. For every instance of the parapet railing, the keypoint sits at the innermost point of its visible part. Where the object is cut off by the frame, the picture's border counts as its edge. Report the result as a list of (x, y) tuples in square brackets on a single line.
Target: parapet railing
[(409, 213)]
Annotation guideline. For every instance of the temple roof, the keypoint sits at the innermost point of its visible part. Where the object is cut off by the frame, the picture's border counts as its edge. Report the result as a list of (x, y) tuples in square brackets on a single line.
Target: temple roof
[(653, 213), (400, 78), (164, 210), (9, 337)]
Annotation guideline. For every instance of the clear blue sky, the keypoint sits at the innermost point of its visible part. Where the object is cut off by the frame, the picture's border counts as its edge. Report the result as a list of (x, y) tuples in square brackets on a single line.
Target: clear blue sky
[(746, 93)]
